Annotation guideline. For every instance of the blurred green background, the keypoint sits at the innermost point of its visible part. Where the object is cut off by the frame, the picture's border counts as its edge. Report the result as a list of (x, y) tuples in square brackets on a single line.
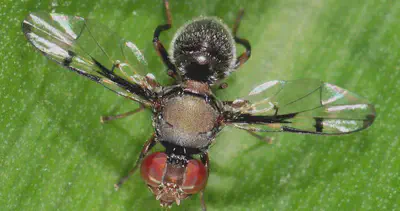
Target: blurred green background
[(55, 154)]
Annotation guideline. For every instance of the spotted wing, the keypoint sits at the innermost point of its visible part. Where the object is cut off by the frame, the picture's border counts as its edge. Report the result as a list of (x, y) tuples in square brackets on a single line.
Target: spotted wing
[(300, 106), (91, 50)]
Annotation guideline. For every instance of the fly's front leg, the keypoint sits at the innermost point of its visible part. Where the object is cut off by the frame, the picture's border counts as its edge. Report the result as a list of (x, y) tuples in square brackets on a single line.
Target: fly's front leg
[(202, 201), (146, 148), (206, 162)]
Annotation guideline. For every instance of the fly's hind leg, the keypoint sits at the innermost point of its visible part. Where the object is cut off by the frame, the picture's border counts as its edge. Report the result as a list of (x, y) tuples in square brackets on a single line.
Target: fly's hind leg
[(162, 52), (245, 43), (240, 60), (146, 148)]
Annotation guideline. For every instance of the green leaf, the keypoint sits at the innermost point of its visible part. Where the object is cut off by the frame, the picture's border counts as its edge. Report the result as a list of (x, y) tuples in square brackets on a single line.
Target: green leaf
[(55, 154)]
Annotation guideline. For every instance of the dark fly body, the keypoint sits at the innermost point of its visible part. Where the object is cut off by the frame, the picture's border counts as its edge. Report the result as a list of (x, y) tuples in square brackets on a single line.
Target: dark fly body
[(186, 115)]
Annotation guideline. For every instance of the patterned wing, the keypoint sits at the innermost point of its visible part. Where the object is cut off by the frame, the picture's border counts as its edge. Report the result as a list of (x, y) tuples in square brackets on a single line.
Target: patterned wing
[(91, 50), (300, 106)]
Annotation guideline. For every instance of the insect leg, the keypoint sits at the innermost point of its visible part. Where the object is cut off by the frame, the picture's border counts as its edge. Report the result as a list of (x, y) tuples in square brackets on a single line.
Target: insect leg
[(246, 55), (222, 85), (206, 161), (203, 203), (261, 138), (146, 148), (104, 119), (162, 52)]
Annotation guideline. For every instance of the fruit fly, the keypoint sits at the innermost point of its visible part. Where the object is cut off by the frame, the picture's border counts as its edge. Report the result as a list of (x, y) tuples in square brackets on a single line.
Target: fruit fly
[(187, 116)]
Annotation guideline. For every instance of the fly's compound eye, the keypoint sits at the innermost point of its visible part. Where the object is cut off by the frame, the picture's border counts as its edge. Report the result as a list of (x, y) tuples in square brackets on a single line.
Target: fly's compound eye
[(196, 176), (152, 168)]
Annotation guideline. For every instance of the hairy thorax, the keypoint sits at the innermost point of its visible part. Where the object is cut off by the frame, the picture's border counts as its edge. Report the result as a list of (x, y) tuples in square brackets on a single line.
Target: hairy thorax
[(186, 120)]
